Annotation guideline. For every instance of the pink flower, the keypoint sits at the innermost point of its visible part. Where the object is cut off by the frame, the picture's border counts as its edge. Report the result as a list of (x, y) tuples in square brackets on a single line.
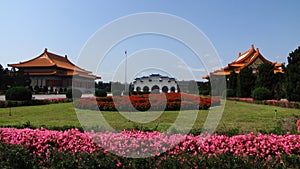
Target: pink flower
[(119, 164), (133, 142)]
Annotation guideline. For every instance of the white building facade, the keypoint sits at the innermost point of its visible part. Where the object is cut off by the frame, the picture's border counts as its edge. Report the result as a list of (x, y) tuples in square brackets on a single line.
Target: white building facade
[(155, 83)]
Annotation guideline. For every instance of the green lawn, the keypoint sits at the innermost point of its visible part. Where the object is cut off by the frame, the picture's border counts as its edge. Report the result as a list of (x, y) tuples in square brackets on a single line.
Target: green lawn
[(245, 116)]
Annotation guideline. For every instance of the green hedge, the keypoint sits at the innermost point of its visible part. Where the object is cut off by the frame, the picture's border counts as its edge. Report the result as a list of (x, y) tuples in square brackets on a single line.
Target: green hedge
[(261, 93)]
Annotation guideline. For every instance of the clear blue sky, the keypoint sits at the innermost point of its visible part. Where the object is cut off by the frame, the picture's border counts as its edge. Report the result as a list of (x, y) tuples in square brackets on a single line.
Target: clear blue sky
[(27, 27)]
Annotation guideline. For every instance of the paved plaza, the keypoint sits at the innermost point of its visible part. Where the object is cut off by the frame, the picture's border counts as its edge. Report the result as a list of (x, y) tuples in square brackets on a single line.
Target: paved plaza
[(2, 97)]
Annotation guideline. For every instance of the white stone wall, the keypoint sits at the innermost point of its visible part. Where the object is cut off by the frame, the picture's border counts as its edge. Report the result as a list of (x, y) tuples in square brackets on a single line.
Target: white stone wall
[(155, 80)]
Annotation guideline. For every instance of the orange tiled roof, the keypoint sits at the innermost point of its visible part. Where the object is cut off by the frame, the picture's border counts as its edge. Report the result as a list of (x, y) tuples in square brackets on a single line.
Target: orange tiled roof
[(244, 59), (47, 59)]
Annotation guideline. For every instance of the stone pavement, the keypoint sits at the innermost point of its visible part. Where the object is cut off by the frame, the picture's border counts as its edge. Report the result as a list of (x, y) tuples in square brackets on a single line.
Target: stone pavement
[(2, 97)]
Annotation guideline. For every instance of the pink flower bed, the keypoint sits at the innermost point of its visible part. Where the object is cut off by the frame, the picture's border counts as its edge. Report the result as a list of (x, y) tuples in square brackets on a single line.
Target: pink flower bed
[(135, 143), (41, 141)]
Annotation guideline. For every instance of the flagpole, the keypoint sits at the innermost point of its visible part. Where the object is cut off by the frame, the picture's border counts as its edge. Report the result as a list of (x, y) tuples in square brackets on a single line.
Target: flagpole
[(129, 112), (125, 71)]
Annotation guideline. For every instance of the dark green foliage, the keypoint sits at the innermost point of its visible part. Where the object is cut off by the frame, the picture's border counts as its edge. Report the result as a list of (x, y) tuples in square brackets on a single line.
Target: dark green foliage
[(204, 88), (279, 90), (73, 93), (293, 76), (273, 82), (18, 93), (82, 160), (12, 78), (36, 89), (20, 78), (16, 156), (103, 85), (261, 93), (232, 81), (245, 82), (231, 93), (69, 93), (100, 93), (133, 93), (266, 76), (2, 74)]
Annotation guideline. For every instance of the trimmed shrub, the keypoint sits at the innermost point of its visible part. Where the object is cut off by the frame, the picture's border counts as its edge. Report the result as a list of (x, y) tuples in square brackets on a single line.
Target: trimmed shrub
[(261, 93), (100, 93), (73, 93), (18, 93)]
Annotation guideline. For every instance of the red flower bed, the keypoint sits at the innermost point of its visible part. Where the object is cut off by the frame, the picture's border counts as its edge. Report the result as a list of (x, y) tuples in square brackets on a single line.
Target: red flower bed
[(165, 101)]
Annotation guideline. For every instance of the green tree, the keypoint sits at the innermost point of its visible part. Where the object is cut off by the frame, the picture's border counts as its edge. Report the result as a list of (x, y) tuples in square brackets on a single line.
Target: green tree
[(5, 78), (20, 78), (293, 76), (1, 77), (232, 82), (279, 90), (204, 88), (266, 77), (245, 82)]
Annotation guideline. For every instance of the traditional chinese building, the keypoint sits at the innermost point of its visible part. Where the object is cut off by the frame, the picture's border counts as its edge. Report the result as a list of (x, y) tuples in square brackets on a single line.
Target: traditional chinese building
[(252, 58), (56, 72), (155, 82)]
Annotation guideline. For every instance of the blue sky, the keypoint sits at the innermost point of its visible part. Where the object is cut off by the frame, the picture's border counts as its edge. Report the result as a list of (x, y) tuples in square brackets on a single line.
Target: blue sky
[(64, 27)]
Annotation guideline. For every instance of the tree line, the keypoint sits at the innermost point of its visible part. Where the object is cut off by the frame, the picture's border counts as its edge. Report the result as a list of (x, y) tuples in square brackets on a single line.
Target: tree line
[(12, 78)]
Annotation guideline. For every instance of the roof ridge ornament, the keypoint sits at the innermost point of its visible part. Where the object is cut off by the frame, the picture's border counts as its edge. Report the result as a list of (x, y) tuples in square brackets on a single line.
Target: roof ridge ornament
[(257, 50), (45, 50)]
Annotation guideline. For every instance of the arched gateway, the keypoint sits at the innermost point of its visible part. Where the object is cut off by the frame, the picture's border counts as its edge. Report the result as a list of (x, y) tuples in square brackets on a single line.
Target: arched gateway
[(155, 82)]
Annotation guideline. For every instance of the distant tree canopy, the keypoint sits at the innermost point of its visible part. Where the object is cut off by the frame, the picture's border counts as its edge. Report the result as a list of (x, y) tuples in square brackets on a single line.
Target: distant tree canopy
[(204, 88), (12, 78), (293, 76), (273, 82), (103, 85), (266, 77), (245, 82), (232, 83)]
